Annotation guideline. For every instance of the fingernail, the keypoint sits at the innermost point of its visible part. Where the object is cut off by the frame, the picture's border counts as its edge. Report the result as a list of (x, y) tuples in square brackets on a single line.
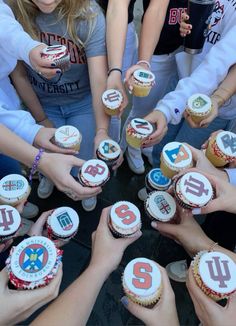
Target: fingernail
[(124, 300), (188, 32), (154, 225), (53, 64), (58, 71), (196, 211)]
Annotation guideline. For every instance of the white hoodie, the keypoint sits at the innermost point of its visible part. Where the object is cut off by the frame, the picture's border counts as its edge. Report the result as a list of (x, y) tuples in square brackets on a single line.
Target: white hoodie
[(14, 44), (214, 64)]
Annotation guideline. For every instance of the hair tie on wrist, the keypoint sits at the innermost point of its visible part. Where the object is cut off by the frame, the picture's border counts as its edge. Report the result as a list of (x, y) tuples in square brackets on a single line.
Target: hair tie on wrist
[(35, 164), (114, 69), (144, 61)]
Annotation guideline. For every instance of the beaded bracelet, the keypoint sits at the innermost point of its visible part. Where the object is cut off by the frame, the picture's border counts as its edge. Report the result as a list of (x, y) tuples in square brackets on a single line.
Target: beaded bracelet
[(35, 164)]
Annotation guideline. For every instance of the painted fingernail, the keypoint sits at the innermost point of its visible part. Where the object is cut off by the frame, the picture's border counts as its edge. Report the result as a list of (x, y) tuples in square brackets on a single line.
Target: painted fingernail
[(196, 211), (53, 64), (58, 71), (188, 32), (124, 300)]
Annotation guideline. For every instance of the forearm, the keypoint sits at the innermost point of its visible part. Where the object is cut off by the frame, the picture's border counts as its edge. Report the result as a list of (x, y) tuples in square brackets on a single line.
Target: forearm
[(227, 88), (74, 305), (151, 28), (26, 92), (15, 147), (116, 29)]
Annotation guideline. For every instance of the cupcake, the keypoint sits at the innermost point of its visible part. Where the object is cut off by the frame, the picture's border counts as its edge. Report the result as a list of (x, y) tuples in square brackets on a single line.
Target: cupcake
[(199, 107), (94, 173), (68, 137), (215, 274), (142, 282), (143, 80), (14, 189), (137, 131), (193, 190), (175, 157), (33, 263), (109, 152), (10, 222), (59, 55), (221, 149), (124, 219), (160, 206), (112, 100), (62, 224), (155, 180)]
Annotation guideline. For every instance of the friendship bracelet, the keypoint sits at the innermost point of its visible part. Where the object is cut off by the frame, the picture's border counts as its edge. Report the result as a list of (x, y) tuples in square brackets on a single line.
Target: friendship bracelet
[(114, 69), (102, 129), (212, 246), (39, 121), (144, 61), (35, 164)]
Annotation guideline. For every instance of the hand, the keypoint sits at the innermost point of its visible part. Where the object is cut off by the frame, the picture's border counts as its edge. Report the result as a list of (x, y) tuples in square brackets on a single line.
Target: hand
[(163, 313), (208, 311), (45, 67), (47, 123), (100, 136), (184, 27), (106, 250), (158, 118), (43, 139), (114, 81), (188, 232), (205, 145), (203, 164), (17, 306), (204, 123), (61, 176), (129, 75), (118, 162)]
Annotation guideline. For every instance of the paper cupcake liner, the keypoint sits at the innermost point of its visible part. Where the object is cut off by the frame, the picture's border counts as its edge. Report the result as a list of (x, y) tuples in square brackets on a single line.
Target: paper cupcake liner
[(117, 234), (88, 184)]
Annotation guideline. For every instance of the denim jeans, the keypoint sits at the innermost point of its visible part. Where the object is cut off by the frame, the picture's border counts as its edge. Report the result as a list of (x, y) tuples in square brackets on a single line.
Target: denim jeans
[(8, 166), (80, 115), (184, 133)]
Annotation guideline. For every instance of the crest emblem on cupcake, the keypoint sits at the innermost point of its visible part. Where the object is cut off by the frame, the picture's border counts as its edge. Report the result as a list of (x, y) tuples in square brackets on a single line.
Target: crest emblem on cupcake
[(198, 103), (142, 126), (177, 154)]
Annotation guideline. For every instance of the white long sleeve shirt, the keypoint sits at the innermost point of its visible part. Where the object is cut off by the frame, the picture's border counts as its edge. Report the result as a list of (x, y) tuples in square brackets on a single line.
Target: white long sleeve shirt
[(214, 64), (15, 45)]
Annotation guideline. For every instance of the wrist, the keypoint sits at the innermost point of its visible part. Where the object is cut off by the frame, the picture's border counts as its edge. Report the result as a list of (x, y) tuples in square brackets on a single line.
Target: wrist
[(144, 63), (114, 70), (102, 269), (42, 120), (101, 131)]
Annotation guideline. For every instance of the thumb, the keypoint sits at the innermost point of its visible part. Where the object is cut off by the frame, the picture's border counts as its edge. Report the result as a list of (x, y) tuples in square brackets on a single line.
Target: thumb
[(204, 123), (213, 206), (76, 161), (135, 309), (127, 241), (166, 228)]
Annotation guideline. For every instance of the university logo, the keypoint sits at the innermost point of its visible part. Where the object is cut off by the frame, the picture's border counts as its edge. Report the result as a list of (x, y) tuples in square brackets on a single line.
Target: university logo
[(199, 103), (162, 204), (94, 170), (144, 75), (65, 221), (66, 134), (112, 97), (177, 155), (6, 219), (140, 124), (143, 279), (159, 178), (109, 148), (215, 17), (229, 142), (13, 185), (33, 258), (195, 187), (219, 271)]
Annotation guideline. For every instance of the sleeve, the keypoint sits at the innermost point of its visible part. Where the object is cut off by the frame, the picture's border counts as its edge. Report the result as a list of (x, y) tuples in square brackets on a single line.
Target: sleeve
[(232, 175), (13, 38), (20, 122), (205, 78), (96, 44)]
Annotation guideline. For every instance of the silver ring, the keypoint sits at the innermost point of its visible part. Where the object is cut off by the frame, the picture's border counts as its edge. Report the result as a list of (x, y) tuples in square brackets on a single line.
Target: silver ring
[(39, 73)]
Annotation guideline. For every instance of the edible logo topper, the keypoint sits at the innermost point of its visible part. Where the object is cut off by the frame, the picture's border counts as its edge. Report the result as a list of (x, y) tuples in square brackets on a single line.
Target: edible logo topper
[(144, 76), (94, 170), (142, 126), (198, 103), (67, 134), (112, 96), (142, 271), (54, 49), (177, 155), (219, 271), (195, 187), (157, 177), (123, 211), (229, 142), (33, 258), (65, 221), (162, 204), (13, 185), (109, 148), (6, 219)]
